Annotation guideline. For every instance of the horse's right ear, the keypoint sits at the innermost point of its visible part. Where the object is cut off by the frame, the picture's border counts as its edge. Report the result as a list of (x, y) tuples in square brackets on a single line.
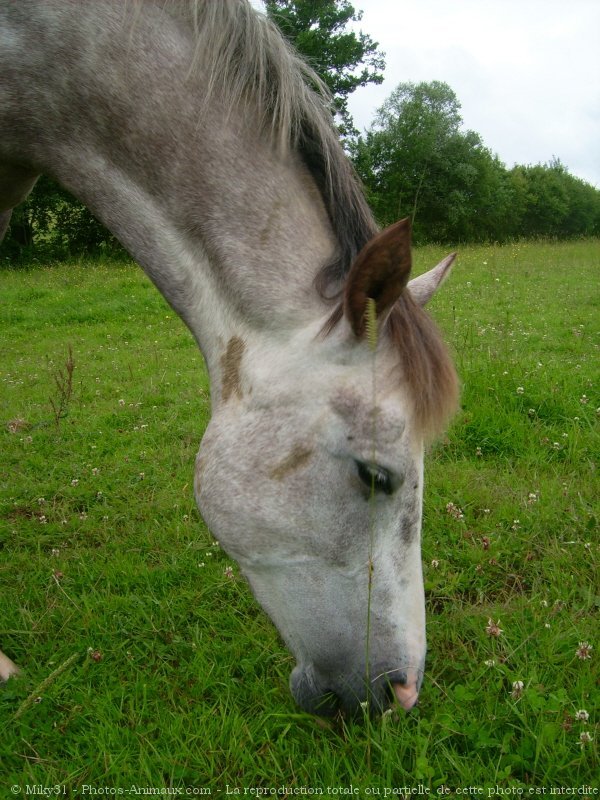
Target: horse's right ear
[(380, 272)]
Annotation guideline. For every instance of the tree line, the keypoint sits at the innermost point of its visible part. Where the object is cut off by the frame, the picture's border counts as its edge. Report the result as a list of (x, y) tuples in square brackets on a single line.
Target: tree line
[(415, 159)]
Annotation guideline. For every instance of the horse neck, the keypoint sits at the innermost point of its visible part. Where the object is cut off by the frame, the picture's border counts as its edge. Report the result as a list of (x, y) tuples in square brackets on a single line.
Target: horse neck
[(230, 229)]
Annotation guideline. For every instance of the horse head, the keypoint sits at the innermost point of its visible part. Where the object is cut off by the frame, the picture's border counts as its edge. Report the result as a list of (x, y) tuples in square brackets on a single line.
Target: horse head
[(310, 474)]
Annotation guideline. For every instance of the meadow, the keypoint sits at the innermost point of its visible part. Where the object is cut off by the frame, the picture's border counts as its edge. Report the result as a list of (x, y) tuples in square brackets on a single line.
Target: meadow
[(146, 661)]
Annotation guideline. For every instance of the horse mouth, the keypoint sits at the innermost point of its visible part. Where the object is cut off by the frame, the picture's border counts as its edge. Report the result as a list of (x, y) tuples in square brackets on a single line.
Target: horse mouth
[(356, 700)]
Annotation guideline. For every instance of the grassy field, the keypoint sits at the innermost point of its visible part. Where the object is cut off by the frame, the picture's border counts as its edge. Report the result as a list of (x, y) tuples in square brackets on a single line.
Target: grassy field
[(147, 662)]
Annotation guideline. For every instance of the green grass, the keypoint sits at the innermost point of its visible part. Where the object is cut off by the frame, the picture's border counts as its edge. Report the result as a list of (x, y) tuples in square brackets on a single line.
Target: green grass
[(186, 682)]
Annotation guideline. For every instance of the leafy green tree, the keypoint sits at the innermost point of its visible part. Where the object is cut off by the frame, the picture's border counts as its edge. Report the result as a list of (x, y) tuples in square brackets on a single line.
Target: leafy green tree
[(51, 222), (551, 202), (343, 59), (416, 161)]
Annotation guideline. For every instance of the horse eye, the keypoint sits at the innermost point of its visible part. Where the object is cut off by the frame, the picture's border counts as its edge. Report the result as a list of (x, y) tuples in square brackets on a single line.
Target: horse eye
[(375, 478)]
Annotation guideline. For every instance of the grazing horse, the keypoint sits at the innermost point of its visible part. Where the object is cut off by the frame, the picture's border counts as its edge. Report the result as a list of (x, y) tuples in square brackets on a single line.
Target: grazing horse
[(206, 145)]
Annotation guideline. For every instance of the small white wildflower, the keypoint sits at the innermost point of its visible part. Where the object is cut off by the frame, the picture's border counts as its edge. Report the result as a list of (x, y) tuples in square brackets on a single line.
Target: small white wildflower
[(582, 715), (584, 651), (584, 399), (517, 689), (520, 390), (201, 564), (95, 471), (74, 482), (121, 402), (585, 738), (435, 563), (491, 662), (55, 551), (454, 511)]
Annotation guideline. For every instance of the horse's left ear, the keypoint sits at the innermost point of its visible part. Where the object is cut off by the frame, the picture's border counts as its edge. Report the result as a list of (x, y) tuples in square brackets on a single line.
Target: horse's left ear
[(380, 272), (423, 288)]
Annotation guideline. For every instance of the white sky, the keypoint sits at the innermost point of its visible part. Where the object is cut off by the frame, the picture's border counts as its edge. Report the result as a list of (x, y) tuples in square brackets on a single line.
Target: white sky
[(526, 72)]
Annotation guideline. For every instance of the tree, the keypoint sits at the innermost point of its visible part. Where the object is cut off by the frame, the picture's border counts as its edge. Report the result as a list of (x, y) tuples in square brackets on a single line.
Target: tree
[(56, 224), (416, 161), (343, 59), (551, 202)]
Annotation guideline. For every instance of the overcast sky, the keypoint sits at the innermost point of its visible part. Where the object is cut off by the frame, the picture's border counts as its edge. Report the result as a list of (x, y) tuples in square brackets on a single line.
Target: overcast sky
[(526, 72)]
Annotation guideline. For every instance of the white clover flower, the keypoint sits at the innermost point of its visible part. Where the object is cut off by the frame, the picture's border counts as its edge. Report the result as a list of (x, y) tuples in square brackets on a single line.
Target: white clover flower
[(517, 689), (584, 651)]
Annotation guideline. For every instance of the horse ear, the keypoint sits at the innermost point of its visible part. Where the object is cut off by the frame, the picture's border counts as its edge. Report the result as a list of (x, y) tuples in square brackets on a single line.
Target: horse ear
[(423, 288), (380, 272)]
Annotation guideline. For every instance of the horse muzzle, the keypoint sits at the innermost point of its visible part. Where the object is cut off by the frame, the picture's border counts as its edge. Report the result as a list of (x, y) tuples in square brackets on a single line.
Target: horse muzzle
[(354, 695)]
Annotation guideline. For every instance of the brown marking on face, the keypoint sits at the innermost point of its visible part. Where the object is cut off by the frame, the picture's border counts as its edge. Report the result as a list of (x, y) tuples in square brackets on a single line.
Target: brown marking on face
[(299, 455), (231, 361)]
